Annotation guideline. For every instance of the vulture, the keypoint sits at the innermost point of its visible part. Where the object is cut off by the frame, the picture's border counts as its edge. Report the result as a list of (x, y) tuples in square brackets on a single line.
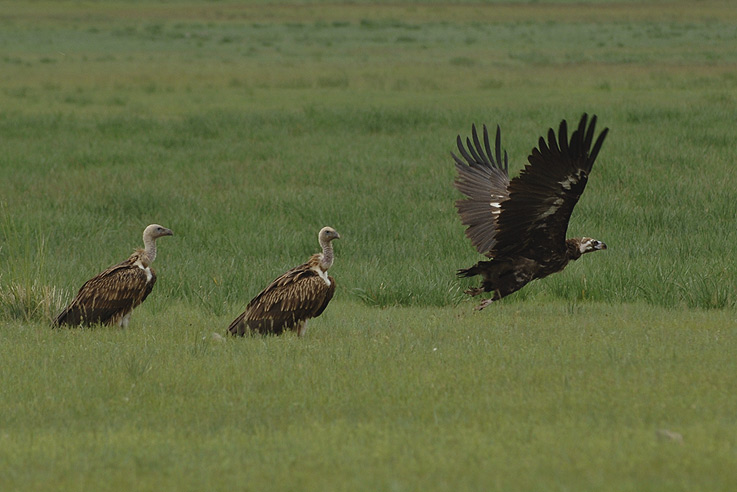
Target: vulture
[(520, 224), (294, 297), (110, 297)]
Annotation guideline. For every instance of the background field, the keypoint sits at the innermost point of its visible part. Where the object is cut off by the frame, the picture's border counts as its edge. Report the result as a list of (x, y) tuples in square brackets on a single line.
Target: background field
[(247, 127)]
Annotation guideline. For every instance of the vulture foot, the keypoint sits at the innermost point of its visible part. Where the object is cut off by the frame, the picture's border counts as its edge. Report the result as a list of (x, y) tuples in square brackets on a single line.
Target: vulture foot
[(474, 292), (484, 303)]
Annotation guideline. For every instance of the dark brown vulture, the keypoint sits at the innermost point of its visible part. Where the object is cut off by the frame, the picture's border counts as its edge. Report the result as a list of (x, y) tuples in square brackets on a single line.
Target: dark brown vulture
[(110, 297), (521, 224), (296, 296)]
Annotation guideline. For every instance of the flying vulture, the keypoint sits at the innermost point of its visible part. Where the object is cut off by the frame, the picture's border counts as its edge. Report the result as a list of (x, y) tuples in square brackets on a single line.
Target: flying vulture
[(110, 297), (296, 296), (521, 224)]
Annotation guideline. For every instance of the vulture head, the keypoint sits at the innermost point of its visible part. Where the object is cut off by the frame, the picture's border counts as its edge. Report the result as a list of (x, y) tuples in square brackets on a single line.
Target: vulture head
[(326, 235), (155, 231), (589, 244)]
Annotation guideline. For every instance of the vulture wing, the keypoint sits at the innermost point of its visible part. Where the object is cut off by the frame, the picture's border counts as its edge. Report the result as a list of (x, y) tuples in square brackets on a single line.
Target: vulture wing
[(115, 291), (483, 178), (534, 219), (295, 296), (326, 299)]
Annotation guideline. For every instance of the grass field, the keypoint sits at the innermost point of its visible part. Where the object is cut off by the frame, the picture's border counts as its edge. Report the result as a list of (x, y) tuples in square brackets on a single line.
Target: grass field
[(247, 127)]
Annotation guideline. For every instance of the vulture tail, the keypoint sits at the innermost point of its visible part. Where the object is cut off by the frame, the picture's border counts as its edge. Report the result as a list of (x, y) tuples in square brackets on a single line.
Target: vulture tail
[(472, 271)]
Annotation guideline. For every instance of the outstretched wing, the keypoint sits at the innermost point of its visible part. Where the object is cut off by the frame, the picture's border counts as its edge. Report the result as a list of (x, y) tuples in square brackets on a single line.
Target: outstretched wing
[(112, 293), (295, 296), (534, 220), (484, 180)]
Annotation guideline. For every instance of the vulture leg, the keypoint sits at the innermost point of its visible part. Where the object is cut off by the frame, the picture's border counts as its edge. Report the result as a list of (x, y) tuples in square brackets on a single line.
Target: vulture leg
[(301, 327)]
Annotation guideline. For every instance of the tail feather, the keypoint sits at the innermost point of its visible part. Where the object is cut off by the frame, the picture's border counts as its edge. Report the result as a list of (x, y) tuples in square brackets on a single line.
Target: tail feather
[(488, 270), (75, 315), (477, 269), (67, 317), (238, 326)]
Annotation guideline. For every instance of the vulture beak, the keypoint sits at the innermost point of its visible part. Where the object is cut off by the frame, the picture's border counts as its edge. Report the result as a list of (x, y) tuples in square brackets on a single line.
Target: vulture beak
[(168, 232), (601, 245)]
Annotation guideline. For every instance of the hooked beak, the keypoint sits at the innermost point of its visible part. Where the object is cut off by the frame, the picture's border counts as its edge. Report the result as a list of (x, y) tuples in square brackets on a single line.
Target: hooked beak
[(601, 245)]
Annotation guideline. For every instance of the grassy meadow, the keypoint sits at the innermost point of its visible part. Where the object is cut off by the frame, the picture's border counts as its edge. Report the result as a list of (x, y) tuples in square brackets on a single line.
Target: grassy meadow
[(245, 127)]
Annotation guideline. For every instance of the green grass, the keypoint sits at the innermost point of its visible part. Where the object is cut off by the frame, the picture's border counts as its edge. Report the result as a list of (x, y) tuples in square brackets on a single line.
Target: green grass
[(532, 396), (246, 128)]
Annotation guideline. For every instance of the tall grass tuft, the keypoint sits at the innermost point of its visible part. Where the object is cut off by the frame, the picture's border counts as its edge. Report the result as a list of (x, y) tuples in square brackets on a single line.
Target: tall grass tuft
[(24, 293), (34, 302)]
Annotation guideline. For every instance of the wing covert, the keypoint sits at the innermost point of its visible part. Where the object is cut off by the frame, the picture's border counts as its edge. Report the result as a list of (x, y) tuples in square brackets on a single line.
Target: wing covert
[(119, 288), (290, 298)]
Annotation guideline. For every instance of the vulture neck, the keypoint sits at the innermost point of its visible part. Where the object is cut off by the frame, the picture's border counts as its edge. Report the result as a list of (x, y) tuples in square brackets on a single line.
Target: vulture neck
[(326, 258), (573, 248), (149, 251)]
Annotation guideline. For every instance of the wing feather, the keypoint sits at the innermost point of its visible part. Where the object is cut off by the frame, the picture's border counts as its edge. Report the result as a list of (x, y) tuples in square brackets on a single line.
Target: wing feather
[(534, 220), (327, 298), (482, 177), (295, 296), (108, 296)]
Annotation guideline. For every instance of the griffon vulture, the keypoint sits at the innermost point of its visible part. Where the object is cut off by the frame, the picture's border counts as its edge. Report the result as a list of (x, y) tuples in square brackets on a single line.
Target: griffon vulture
[(296, 296), (110, 297)]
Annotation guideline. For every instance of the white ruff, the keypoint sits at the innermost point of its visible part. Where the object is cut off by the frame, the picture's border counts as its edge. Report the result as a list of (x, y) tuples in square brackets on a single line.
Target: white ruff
[(145, 269), (323, 274), (584, 247)]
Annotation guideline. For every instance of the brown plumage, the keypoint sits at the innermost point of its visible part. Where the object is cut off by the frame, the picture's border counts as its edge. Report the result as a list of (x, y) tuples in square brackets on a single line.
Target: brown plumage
[(110, 297), (296, 296), (521, 224)]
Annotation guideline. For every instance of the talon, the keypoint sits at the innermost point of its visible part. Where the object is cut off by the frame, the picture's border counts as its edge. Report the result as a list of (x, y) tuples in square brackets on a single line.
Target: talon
[(483, 304)]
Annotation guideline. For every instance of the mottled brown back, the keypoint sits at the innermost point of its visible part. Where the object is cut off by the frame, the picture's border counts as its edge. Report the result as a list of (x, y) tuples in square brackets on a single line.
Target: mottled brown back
[(109, 296), (292, 298)]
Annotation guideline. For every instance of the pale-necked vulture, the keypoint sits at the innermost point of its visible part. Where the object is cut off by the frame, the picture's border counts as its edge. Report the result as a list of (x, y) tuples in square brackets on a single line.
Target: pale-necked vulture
[(296, 296), (110, 297)]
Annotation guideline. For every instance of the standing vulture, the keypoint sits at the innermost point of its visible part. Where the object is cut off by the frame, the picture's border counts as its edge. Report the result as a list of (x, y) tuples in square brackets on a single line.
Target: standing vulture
[(296, 296), (521, 224), (110, 297)]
